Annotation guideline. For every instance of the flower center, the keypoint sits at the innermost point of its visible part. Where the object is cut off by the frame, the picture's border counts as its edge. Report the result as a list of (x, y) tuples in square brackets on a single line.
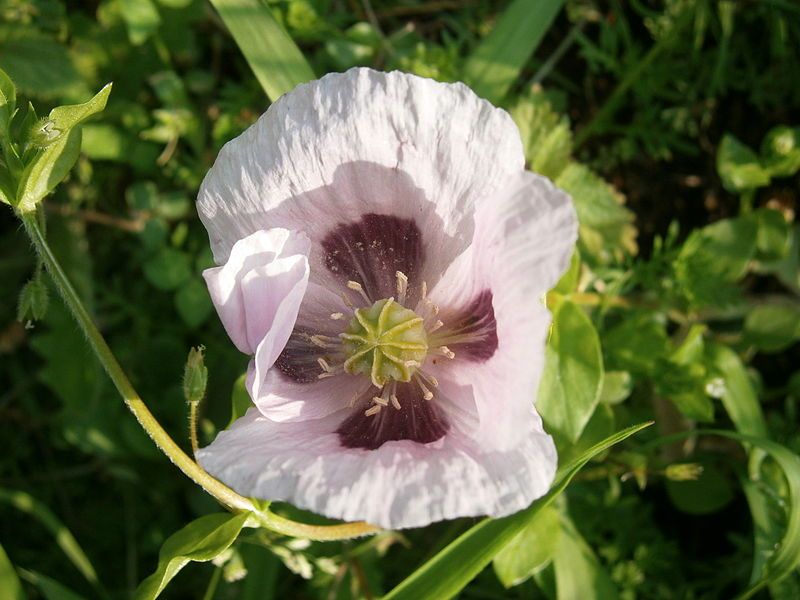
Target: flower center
[(385, 341)]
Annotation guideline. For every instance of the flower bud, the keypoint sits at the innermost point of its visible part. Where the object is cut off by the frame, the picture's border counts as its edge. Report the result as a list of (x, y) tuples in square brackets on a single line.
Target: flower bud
[(684, 472), (33, 301), (195, 376)]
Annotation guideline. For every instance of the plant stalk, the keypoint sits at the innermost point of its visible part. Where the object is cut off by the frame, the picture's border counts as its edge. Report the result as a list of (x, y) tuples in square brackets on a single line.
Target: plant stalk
[(162, 439)]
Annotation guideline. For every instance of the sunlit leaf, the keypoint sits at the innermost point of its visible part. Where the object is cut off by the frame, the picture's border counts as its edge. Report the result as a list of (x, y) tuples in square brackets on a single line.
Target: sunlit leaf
[(277, 62), (573, 372), (9, 582), (200, 541), (578, 572), (739, 167), (496, 63), (530, 550), (773, 327)]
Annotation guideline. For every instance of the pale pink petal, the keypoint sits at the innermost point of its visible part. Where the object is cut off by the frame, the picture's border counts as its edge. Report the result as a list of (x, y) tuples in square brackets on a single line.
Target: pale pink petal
[(402, 484), (363, 142), (264, 278), (523, 242)]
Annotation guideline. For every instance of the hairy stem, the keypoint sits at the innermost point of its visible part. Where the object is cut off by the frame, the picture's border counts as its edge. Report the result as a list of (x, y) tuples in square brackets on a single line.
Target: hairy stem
[(162, 439)]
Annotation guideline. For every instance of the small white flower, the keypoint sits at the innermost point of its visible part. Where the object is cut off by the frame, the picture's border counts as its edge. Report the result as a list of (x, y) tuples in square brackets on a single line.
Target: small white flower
[(384, 258)]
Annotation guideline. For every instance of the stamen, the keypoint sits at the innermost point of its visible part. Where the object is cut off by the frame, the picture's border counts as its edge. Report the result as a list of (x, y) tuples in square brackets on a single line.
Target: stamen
[(347, 301), (429, 378), (424, 290), (435, 326), (379, 400), (412, 363), (395, 401), (337, 316), (402, 286), (356, 287), (374, 410), (323, 341), (445, 351), (324, 365)]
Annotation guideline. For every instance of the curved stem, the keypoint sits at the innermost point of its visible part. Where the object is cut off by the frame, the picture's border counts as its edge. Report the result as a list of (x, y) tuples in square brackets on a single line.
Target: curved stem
[(162, 439)]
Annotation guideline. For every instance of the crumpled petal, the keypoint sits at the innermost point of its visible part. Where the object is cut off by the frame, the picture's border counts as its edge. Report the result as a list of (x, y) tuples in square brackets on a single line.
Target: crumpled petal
[(399, 485), (363, 142), (524, 238), (258, 291)]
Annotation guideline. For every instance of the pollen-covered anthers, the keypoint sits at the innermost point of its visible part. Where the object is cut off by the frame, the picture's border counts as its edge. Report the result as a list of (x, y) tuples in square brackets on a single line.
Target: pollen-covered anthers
[(328, 370), (387, 397), (357, 287), (425, 382)]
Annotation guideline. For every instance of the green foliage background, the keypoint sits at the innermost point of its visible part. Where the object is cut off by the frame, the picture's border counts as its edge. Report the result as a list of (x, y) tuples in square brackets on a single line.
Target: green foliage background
[(675, 127)]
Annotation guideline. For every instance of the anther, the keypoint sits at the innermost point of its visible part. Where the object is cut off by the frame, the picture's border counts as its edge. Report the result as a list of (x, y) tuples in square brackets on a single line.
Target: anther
[(424, 290), (402, 286), (438, 324), (374, 410), (412, 363), (381, 401), (337, 316), (323, 341), (356, 287), (395, 401), (446, 352), (324, 365)]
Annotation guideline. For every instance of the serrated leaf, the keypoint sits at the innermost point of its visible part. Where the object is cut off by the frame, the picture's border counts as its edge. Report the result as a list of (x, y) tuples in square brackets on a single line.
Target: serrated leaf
[(200, 541), (606, 226), (450, 570), (739, 167), (496, 63), (531, 549), (9, 582), (573, 372), (546, 135), (275, 59)]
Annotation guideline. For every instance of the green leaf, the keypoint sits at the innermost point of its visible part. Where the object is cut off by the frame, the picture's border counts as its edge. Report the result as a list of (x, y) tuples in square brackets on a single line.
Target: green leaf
[(240, 399), (578, 573), (168, 269), (773, 239), (739, 397), (63, 537), (714, 256), (569, 280), (683, 377), (497, 61), (773, 327), (200, 541), (8, 103), (47, 170), (9, 582), (50, 588), (61, 142), (532, 549), (546, 135), (739, 167), (450, 570), (142, 19), (193, 303), (38, 64), (62, 119), (573, 372), (780, 151), (617, 386), (275, 59), (606, 226)]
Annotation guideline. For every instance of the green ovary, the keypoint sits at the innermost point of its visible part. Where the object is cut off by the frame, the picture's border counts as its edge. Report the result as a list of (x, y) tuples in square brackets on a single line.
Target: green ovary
[(386, 341)]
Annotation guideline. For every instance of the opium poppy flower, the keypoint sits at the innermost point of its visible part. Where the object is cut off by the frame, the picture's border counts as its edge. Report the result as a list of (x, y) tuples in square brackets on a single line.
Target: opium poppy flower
[(384, 257)]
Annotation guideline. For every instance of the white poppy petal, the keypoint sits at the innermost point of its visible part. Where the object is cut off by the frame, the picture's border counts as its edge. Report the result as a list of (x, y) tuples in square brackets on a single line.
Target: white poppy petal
[(399, 485), (363, 142), (523, 241), (263, 279)]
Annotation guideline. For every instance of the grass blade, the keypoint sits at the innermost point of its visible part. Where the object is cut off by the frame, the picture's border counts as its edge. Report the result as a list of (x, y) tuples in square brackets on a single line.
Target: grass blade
[(277, 62), (64, 538), (453, 568), (497, 61)]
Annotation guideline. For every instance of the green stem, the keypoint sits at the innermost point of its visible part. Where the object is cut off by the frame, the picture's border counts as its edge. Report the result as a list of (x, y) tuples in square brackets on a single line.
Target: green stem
[(162, 439)]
